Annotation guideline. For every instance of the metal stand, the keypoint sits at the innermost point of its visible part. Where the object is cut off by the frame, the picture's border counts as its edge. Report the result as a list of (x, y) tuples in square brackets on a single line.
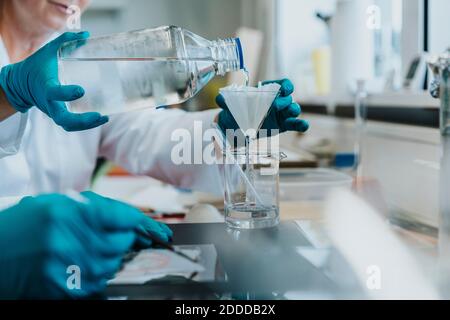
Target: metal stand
[(441, 89)]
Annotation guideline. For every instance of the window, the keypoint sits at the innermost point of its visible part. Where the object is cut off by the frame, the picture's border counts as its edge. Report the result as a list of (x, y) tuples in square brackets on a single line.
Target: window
[(301, 32), (438, 25), (387, 38)]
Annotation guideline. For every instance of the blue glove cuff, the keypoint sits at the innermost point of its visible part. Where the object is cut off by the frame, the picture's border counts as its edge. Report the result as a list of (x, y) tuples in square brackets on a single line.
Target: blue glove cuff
[(7, 84)]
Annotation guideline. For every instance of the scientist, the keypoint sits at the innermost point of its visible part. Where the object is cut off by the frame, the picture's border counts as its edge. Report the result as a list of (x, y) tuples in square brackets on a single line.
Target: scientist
[(39, 155), (46, 149)]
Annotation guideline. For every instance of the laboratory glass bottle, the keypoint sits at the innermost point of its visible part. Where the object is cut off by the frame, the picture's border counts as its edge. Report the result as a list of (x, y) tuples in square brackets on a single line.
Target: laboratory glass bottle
[(148, 68)]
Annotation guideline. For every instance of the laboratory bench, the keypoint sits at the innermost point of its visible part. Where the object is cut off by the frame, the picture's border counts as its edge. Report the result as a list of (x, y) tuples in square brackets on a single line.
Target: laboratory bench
[(251, 264), (399, 162), (291, 261), (404, 107), (294, 260)]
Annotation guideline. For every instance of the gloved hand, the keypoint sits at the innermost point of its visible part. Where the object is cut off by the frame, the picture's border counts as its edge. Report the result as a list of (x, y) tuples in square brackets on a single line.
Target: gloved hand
[(34, 82), (42, 236), (154, 228), (283, 114)]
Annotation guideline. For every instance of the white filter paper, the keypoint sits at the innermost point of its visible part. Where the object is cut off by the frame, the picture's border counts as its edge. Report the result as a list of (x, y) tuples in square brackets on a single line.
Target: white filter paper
[(250, 105)]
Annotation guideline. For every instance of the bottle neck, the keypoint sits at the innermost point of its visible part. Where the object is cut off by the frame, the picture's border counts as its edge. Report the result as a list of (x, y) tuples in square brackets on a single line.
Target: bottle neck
[(228, 55)]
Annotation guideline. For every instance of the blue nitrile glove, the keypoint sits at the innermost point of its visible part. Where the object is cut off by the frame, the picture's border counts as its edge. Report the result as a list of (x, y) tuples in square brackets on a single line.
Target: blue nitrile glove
[(283, 114), (154, 228), (41, 237), (34, 82)]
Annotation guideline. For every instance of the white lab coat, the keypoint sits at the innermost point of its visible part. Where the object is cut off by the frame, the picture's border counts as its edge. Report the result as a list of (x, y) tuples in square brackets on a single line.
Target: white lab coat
[(37, 156)]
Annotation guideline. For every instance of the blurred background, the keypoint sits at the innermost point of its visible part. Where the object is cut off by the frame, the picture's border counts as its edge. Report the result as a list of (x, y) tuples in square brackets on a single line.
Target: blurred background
[(292, 31), (339, 54)]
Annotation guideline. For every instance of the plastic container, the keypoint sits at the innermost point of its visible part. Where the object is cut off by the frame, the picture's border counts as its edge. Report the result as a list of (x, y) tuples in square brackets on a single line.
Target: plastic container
[(146, 68), (311, 184)]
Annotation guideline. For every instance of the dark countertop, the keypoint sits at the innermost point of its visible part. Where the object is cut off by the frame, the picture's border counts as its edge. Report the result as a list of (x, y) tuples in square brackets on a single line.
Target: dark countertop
[(259, 264)]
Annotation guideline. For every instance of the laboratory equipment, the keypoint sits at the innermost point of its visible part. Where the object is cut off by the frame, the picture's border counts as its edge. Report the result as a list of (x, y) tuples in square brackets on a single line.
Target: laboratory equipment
[(440, 88), (254, 41), (250, 105), (416, 76), (352, 45), (251, 173), (361, 104), (282, 117), (145, 68), (251, 196), (349, 140), (360, 129)]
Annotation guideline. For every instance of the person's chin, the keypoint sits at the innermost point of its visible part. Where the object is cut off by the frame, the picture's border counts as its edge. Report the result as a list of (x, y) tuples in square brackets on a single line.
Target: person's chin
[(56, 24)]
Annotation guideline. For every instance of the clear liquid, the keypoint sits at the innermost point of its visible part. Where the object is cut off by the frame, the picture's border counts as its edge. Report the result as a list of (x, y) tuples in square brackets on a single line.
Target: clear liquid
[(114, 85), (251, 216)]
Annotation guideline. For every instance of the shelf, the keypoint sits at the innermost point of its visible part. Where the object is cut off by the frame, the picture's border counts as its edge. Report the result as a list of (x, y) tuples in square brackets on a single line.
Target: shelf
[(404, 99)]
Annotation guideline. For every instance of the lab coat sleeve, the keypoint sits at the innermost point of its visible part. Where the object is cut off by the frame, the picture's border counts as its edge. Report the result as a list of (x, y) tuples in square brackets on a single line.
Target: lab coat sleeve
[(8, 202), (143, 143), (11, 132)]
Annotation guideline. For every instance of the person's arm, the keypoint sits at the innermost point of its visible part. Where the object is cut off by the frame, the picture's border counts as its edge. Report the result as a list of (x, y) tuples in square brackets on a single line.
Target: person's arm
[(148, 142), (6, 110), (12, 128), (55, 236), (34, 82)]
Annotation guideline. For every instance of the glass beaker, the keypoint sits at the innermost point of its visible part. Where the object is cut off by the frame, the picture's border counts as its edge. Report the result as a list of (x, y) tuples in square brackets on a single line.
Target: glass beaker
[(251, 189)]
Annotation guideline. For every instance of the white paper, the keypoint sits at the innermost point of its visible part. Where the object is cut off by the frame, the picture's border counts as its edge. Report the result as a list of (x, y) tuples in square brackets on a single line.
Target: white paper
[(157, 263), (160, 198), (249, 105)]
